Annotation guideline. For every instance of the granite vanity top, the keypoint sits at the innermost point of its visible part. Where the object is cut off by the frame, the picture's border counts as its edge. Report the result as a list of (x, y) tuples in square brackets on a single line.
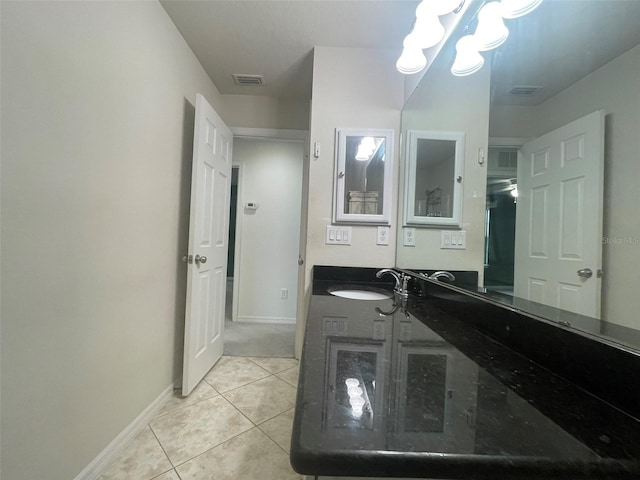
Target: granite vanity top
[(432, 397)]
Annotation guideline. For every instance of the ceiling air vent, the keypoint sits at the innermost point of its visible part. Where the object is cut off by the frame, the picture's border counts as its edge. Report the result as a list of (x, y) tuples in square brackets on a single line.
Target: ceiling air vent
[(241, 79), (525, 90)]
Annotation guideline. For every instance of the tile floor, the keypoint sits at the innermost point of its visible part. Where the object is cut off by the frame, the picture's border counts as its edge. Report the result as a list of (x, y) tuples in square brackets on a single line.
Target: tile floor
[(236, 425)]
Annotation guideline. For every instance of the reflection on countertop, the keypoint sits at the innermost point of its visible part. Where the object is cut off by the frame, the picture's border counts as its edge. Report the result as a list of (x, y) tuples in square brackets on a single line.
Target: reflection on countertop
[(406, 390)]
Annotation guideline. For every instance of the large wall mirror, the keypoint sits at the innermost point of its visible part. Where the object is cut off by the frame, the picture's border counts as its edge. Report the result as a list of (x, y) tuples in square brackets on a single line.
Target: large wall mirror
[(434, 178), (550, 78), (363, 176)]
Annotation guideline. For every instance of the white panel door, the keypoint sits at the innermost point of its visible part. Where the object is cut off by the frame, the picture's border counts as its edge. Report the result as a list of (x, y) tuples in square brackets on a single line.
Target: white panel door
[(208, 245), (559, 217)]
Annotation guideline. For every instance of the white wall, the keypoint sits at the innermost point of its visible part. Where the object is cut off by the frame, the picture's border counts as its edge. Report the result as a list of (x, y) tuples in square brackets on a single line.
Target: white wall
[(615, 89), (254, 111), (269, 237), (97, 125), (352, 88), (448, 103)]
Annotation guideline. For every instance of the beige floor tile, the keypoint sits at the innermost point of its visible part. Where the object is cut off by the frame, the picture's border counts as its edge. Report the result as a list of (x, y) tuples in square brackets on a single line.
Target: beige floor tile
[(234, 372), (279, 429), (290, 376), (170, 475), (263, 399), (202, 391), (189, 431), (275, 365), (249, 456), (143, 459)]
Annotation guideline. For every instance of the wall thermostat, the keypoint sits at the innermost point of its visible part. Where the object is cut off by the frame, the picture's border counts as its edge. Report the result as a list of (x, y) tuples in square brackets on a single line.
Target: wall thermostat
[(251, 206)]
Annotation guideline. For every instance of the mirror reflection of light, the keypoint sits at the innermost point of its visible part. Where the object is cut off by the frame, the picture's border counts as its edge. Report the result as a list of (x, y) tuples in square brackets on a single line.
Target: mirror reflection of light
[(436, 7), (354, 391), (365, 149), (412, 60), (352, 382), (468, 59), (428, 31), (518, 8), (491, 31), (356, 403)]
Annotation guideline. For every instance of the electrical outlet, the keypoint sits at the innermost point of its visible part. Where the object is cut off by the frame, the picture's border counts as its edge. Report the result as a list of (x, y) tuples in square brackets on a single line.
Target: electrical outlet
[(284, 293), (409, 236), (383, 236)]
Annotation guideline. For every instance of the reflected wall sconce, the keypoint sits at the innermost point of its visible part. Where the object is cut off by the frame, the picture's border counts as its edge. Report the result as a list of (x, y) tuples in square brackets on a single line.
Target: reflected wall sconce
[(427, 32), (490, 33), (518, 8), (412, 59), (468, 59)]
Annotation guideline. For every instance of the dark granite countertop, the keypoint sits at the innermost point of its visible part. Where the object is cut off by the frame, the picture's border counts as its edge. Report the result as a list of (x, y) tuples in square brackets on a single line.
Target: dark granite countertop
[(432, 397)]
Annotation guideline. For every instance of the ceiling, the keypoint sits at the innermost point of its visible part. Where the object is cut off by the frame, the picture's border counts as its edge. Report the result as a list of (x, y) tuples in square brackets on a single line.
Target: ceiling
[(275, 38), (559, 43), (554, 46)]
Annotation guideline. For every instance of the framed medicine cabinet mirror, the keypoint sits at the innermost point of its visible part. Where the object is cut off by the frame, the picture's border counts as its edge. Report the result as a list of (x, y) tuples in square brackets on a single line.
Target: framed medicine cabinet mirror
[(434, 169), (363, 185)]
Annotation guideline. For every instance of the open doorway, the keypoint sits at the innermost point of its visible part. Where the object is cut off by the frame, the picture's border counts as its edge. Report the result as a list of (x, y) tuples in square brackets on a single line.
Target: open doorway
[(500, 219), (264, 241)]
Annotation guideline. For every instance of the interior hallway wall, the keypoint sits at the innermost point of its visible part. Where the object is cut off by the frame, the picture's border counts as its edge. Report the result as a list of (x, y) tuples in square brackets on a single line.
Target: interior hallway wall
[(268, 237), (97, 128)]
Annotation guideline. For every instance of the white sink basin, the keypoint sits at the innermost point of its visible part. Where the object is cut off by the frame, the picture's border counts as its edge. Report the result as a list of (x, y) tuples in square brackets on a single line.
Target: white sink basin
[(359, 293)]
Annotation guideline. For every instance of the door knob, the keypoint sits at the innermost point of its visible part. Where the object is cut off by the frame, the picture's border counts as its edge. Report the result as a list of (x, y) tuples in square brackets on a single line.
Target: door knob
[(585, 273), (200, 259)]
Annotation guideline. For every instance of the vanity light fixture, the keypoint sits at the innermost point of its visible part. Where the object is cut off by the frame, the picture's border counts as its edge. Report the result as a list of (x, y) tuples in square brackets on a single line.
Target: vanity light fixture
[(518, 8), (427, 32), (468, 59), (412, 59), (491, 31)]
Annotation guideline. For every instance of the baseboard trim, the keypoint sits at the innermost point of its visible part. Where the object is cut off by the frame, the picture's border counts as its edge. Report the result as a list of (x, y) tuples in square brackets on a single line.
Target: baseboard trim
[(282, 320), (117, 445)]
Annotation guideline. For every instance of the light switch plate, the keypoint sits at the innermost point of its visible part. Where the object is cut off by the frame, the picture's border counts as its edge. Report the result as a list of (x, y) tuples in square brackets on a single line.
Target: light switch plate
[(383, 236), (337, 235), (453, 239)]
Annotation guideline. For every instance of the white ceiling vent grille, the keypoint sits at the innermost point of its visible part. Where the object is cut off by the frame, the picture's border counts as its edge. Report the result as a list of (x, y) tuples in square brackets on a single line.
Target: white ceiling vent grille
[(525, 90), (241, 79)]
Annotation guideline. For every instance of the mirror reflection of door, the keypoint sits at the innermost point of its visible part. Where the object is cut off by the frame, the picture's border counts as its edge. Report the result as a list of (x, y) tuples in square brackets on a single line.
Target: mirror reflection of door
[(364, 175)]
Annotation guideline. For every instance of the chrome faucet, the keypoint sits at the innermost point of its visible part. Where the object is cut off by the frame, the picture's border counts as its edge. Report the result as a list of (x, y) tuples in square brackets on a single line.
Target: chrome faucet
[(442, 274), (400, 278)]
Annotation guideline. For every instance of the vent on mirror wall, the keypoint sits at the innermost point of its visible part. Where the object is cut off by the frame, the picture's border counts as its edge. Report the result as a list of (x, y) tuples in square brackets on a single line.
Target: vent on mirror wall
[(241, 79), (525, 90)]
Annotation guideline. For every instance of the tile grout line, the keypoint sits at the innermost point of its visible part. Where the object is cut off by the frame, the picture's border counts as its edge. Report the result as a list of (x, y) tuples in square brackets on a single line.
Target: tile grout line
[(161, 446)]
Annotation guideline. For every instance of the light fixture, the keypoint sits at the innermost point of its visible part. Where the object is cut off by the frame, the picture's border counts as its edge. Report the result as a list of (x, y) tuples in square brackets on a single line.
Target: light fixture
[(412, 59), (518, 8), (428, 31), (468, 59), (437, 7), (491, 31)]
